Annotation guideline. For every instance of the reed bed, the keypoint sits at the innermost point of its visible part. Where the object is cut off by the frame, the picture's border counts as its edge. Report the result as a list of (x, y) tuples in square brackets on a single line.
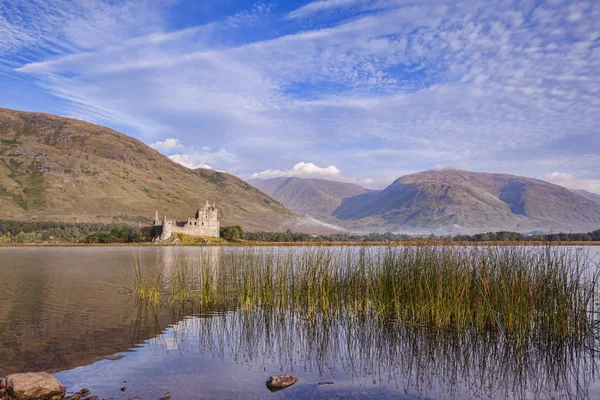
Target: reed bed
[(516, 291)]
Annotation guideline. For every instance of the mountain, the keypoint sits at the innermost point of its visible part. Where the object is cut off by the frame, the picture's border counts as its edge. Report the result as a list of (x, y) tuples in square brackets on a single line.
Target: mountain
[(316, 197), (453, 201), (588, 195), (60, 169)]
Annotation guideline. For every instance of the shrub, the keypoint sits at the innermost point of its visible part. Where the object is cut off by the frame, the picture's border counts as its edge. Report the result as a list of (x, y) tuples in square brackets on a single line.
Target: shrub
[(232, 232)]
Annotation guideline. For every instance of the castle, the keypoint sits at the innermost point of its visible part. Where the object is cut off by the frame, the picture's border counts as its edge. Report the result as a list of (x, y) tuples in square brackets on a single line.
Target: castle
[(204, 223)]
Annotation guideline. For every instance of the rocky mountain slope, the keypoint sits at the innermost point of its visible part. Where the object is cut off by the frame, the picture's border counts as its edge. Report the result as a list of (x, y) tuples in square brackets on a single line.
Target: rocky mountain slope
[(455, 201), (316, 197), (61, 169), (588, 195)]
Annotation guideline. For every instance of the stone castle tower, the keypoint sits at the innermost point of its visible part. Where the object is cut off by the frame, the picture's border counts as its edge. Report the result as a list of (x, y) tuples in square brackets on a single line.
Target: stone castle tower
[(204, 223)]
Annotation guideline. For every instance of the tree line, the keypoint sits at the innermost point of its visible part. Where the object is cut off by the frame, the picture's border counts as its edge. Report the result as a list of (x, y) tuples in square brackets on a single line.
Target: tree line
[(82, 232), (502, 236), (75, 232)]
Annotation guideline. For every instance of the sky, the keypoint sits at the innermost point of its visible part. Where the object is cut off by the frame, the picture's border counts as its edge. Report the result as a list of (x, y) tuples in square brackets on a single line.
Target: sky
[(356, 90)]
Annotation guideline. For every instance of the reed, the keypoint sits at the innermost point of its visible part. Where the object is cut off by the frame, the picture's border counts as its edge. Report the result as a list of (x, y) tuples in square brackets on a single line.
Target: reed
[(148, 282), (518, 291)]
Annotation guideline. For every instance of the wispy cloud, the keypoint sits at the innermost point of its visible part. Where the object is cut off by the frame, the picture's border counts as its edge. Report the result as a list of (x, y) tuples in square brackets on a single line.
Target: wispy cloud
[(252, 16), (383, 88), (206, 158), (319, 6)]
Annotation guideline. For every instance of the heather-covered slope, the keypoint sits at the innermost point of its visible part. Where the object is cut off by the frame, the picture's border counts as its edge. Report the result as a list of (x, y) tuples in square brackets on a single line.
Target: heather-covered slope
[(61, 169)]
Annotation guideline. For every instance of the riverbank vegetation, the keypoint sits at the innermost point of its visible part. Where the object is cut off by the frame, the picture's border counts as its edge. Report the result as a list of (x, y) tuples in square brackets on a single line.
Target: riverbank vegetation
[(17, 232), (503, 236), (513, 291)]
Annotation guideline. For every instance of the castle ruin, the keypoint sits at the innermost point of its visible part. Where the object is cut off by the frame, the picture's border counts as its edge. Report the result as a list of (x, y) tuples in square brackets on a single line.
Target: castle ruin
[(204, 223)]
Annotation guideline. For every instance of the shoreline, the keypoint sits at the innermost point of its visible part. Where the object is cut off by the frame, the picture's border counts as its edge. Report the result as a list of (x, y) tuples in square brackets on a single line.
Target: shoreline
[(314, 244)]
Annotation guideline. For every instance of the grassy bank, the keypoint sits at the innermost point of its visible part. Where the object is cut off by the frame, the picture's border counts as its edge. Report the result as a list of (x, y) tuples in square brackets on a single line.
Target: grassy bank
[(218, 242), (517, 291)]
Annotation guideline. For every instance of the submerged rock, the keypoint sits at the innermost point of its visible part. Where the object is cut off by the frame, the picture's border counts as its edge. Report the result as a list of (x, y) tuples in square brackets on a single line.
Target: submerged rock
[(278, 382), (34, 386)]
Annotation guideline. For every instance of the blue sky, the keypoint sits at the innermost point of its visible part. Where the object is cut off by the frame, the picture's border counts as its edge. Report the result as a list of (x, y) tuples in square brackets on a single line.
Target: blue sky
[(356, 90)]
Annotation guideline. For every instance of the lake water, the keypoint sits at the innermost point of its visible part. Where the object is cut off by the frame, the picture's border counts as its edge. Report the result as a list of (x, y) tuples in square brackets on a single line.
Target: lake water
[(65, 310)]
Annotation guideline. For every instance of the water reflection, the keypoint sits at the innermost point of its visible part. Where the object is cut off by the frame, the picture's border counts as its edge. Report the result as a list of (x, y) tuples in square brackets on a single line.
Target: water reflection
[(362, 353), (60, 308), (58, 312)]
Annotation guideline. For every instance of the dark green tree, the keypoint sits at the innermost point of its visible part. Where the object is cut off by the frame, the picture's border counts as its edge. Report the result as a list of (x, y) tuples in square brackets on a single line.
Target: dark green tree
[(232, 232)]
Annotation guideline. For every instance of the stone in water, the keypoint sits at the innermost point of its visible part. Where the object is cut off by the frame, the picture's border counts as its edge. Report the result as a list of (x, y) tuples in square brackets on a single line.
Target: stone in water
[(278, 382)]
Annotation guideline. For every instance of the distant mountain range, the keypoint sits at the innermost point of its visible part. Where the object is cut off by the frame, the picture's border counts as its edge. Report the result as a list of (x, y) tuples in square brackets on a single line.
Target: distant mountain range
[(316, 197), (61, 169), (449, 201)]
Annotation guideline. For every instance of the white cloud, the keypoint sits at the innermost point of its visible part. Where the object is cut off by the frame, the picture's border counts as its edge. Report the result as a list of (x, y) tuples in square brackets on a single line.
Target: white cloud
[(252, 16), (206, 159), (167, 145), (459, 166), (188, 160), (411, 86), (378, 183), (301, 170), (319, 6), (570, 182)]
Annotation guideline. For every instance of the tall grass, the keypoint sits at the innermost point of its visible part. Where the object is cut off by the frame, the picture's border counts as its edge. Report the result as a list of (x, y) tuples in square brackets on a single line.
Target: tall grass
[(516, 291), (148, 283)]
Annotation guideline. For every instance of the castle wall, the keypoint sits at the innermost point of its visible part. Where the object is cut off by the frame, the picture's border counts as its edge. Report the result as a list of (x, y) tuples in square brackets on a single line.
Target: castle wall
[(204, 223), (197, 228)]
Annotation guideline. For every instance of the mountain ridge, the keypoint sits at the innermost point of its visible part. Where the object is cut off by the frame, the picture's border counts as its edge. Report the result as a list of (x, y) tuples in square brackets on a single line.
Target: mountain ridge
[(588, 195), (457, 201), (314, 196), (62, 169)]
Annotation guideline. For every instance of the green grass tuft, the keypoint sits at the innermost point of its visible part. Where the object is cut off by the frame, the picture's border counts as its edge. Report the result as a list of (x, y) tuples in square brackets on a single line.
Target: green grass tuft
[(518, 292)]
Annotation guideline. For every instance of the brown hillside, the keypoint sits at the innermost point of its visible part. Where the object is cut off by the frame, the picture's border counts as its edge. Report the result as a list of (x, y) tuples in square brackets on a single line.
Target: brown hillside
[(61, 169), (442, 202), (588, 195), (462, 201)]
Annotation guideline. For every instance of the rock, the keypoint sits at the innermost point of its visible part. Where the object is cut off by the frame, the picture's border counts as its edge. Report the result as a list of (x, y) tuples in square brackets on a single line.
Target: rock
[(79, 395), (278, 382), (34, 386), (2, 389)]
